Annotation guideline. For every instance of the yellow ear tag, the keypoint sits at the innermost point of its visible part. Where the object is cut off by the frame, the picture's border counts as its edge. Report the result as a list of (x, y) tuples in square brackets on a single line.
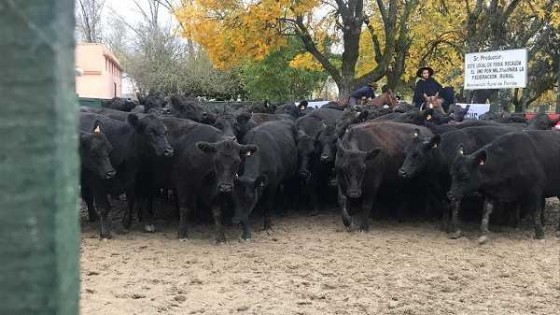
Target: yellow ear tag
[(248, 153), (429, 117), (97, 129), (481, 163)]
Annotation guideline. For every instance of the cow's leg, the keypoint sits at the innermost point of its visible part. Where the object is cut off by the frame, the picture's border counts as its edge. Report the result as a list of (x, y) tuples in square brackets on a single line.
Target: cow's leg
[(103, 210), (269, 197), (543, 212), (246, 229), (148, 217), (313, 195), (365, 212), (558, 227), (342, 202), (455, 231), (87, 195), (217, 215), (130, 200), (535, 205), (487, 210), (187, 203)]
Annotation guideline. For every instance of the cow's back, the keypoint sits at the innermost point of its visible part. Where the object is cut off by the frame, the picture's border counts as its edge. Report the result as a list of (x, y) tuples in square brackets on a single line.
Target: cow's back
[(392, 138), (471, 138), (277, 149)]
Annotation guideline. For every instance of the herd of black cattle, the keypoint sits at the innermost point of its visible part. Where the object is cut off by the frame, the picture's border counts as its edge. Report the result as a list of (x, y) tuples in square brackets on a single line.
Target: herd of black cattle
[(396, 161)]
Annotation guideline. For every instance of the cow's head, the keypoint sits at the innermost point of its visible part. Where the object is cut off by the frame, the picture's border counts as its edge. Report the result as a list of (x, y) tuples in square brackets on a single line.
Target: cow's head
[(465, 173), (228, 125), (95, 150), (226, 158), (247, 193), (350, 117), (244, 124), (152, 133), (419, 155), (352, 165), (307, 149), (327, 142)]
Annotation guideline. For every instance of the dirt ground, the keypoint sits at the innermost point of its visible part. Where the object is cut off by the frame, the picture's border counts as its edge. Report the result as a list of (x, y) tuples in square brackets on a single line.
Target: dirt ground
[(311, 265)]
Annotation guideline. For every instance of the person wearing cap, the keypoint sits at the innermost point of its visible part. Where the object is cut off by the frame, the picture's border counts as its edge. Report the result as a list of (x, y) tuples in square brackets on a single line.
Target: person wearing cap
[(365, 92), (426, 85)]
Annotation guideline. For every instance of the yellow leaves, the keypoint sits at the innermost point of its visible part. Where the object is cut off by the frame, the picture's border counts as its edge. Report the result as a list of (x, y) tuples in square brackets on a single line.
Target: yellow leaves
[(305, 61)]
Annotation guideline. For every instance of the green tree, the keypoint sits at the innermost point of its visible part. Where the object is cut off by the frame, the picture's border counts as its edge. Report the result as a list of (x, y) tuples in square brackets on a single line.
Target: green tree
[(274, 79)]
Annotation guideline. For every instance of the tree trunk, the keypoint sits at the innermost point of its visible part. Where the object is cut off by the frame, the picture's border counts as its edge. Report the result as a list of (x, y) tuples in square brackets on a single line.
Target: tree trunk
[(345, 88), (558, 88), (39, 238)]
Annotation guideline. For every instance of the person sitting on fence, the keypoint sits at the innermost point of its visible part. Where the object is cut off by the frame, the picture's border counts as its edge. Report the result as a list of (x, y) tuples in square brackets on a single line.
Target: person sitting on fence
[(364, 93)]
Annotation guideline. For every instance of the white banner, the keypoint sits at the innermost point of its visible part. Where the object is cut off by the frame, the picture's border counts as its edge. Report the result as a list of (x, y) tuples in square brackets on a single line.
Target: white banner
[(496, 69), (475, 110)]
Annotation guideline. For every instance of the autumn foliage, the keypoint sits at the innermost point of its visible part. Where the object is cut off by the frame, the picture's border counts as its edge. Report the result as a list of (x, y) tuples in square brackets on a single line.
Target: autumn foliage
[(392, 37)]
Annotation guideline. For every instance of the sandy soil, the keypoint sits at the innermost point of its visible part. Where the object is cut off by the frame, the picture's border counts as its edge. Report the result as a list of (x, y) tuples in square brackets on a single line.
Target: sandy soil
[(311, 265)]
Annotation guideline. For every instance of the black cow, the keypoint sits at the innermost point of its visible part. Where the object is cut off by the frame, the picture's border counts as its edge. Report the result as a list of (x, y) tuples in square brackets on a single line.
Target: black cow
[(430, 160), (154, 103), (274, 163), (132, 141), (247, 121), (348, 118), (189, 108), (228, 124), (119, 103), (522, 167), (316, 145), (542, 122), (201, 172), (367, 162), (414, 116), (94, 156)]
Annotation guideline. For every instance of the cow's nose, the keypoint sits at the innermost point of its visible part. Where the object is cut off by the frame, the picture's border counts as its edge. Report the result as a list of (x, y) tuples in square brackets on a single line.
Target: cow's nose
[(451, 196), (110, 174), (231, 138), (354, 193), (325, 158), (225, 187), (402, 173), (168, 151)]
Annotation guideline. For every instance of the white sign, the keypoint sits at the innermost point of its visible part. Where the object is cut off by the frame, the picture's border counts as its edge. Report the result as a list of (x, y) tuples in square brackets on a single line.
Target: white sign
[(496, 69), (316, 104), (475, 110)]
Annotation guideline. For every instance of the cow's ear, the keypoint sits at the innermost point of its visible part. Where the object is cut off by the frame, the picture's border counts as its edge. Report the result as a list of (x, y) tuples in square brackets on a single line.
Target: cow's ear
[(434, 142), (97, 127), (425, 96), (248, 149), (243, 118), (206, 147), (373, 153), (133, 120), (480, 158), (460, 149), (261, 181)]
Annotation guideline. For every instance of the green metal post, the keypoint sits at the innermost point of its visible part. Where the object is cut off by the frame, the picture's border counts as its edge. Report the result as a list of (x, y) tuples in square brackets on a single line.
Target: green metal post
[(39, 232)]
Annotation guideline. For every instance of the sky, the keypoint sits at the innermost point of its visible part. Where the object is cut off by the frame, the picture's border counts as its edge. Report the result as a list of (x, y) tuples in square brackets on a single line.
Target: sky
[(129, 9)]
